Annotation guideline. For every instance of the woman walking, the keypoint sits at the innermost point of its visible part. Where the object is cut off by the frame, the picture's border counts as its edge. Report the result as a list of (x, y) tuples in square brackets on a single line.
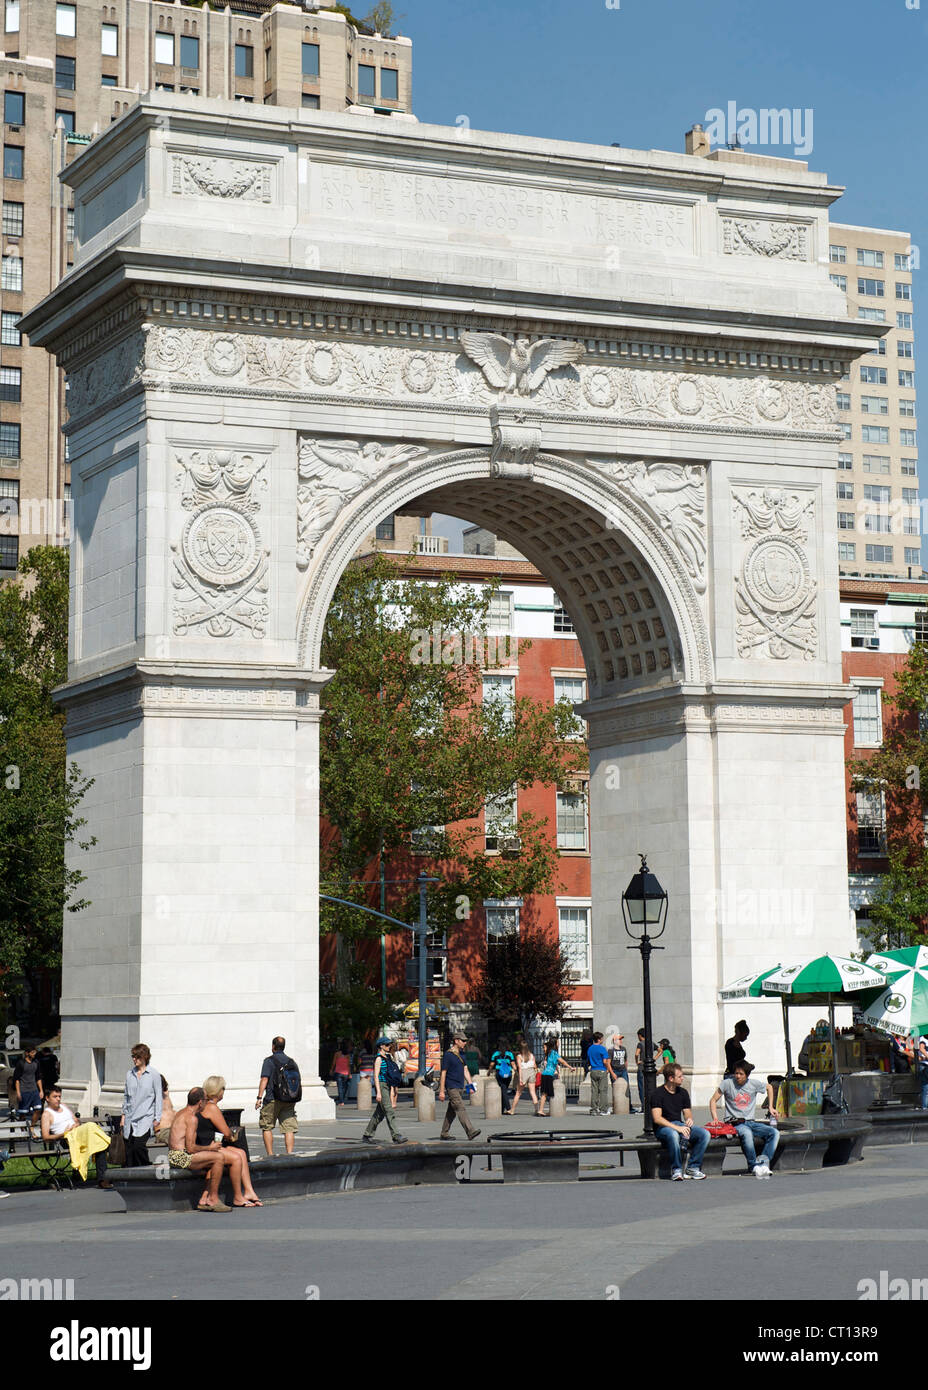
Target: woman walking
[(548, 1073), (526, 1067), (341, 1070)]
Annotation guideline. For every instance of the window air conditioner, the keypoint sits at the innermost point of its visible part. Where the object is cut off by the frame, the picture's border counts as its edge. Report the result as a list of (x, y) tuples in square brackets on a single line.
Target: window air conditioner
[(510, 844)]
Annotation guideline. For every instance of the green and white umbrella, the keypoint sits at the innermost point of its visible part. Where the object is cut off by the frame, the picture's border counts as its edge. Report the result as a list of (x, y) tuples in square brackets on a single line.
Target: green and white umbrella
[(827, 978), (902, 1006), (747, 987)]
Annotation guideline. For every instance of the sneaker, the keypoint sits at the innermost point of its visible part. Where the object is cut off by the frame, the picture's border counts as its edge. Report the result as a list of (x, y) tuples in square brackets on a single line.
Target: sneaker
[(400, 1139), (696, 1174), (368, 1139), (447, 1138), (473, 1136), (677, 1175), (762, 1170)]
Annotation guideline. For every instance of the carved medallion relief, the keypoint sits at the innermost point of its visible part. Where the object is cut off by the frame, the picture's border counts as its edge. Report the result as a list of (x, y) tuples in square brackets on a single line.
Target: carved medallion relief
[(775, 592)]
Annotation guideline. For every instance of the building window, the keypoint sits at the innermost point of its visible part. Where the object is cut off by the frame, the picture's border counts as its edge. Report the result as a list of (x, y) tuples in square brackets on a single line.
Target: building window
[(574, 935), (907, 407), (67, 121), (164, 49), (868, 719), (244, 60), (367, 80), (69, 224), (9, 440), (874, 492), (907, 380), (845, 492), (902, 261), (871, 823), (386, 529), (837, 255), (874, 405), (9, 491), (876, 463), (310, 60), (563, 623), (903, 289), (310, 102), (502, 921), (903, 320), (846, 462), (10, 335), (107, 81), (876, 376), (907, 438), (909, 467), (12, 219), (14, 108), (64, 73), (879, 554), (910, 495), (501, 818), (389, 84), (846, 428), (189, 52), (910, 526), (872, 315), (267, 65), (847, 550), (913, 556), (840, 281), (9, 552), (10, 384), (11, 24), (11, 275), (499, 695), (870, 258), (880, 348), (870, 287), (571, 820), (109, 40), (13, 161), (878, 523), (572, 689), (874, 434), (905, 347), (66, 21), (843, 400), (499, 612), (845, 521)]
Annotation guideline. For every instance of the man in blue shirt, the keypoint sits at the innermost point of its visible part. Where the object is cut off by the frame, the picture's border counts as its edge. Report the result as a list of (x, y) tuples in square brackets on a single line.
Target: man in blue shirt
[(601, 1074), (454, 1078), (141, 1106)]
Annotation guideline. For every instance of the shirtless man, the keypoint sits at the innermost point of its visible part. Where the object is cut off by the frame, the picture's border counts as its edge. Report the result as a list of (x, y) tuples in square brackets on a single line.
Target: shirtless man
[(183, 1151)]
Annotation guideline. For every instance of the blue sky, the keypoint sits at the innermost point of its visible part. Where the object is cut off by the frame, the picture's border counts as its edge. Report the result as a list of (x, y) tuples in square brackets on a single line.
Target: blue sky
[(641, 75)]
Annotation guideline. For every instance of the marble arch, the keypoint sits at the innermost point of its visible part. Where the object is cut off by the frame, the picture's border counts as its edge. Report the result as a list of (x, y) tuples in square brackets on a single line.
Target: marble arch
[(281, 326)]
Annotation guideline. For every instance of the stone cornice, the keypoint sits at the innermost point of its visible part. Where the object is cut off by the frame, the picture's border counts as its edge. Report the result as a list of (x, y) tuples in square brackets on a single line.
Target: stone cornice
[(713, 709)]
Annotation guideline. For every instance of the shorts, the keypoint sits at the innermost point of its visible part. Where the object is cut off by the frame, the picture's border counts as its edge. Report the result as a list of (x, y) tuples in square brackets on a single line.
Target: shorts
[(547, 1087), (178, 1158), (282, 1112), (31, 1100)]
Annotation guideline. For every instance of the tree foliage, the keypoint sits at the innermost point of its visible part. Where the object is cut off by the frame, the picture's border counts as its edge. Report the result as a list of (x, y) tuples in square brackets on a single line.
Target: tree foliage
[(899, 769), (410, 749), (39, 792), (526, 976)]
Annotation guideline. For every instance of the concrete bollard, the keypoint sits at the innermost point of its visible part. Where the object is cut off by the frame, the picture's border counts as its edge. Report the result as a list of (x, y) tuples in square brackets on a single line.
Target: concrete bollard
[(364, 1093), (621, 1100), (492, 1099), (479, 1082), (424, 1098), (559, 1101), (585, 1094)]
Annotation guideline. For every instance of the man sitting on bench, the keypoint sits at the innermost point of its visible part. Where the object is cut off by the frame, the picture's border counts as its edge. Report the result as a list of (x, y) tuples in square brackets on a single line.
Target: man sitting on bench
[(740, 1095), (673, 1125), (58, 1121), (182, 1139)]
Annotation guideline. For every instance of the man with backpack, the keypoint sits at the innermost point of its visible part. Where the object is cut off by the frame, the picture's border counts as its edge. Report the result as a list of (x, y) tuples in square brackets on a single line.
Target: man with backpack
[(502, 1064), (386, 1076), (279, 1090)]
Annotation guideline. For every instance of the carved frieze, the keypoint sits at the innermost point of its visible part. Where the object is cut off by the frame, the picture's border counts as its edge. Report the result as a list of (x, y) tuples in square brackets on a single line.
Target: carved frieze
[(674, 494), (519, 366), (220, 570), (107, 375), (782, 241), (195, 176), (775, 592), (331, 473)]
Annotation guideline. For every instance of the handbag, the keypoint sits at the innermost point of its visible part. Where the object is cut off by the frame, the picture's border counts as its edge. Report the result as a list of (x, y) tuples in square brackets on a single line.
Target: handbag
[(537, 1079), (116, 1153), (236, 1140)]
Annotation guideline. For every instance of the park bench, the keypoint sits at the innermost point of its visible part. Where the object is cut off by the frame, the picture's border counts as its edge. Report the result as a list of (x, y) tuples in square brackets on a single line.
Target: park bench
[(50, 1158)]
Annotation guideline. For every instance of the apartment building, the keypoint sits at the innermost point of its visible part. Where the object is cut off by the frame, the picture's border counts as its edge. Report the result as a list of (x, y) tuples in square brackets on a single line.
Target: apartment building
[(69, 69), (879, 511)]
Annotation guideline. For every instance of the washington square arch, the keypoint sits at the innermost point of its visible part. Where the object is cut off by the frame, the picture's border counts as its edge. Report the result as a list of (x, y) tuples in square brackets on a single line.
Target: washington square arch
[(283, 326)]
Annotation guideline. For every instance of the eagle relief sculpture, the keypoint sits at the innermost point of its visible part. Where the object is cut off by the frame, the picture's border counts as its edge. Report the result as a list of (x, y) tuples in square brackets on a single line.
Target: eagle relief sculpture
[(518, 368)]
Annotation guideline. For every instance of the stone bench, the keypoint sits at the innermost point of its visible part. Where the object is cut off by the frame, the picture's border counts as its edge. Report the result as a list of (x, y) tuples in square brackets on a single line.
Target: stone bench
[(801, 1149)]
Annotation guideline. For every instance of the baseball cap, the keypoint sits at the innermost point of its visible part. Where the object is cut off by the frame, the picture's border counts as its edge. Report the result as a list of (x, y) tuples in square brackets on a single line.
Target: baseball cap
[(384, 1042)]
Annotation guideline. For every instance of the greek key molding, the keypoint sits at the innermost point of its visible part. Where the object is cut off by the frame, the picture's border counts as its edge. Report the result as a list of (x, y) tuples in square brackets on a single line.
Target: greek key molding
[(775, 593)]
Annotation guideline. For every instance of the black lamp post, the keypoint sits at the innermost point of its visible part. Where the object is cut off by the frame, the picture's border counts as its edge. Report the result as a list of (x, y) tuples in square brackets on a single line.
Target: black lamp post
[(644, 907)]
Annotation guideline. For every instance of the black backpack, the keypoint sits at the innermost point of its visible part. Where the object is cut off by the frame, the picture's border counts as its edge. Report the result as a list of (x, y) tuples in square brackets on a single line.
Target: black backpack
[(288, 1085)]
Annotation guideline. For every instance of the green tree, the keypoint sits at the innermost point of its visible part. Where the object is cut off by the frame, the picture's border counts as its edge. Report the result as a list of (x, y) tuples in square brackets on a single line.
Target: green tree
[(410, 750), (39, 791), (899, 769), (383, 19), (526, 976)]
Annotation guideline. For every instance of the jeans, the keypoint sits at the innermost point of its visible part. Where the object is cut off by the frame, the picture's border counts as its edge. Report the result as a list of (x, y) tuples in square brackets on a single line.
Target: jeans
[(344, 1085), (923, 1084), (748, 1131), (599, 1091), (505, 1085), (672, 1140), (641, 1089), (457, 1109), (383, 1110)]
